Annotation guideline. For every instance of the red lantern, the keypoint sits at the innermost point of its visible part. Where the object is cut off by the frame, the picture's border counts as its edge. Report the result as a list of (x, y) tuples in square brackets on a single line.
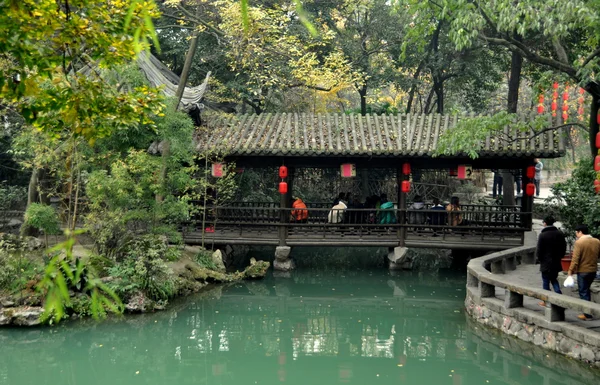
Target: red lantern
[(555, 95), (282, 187), (555, 85), (553, 106), (581, 100), (529, 189), (565, 96), (565, 116), (406, 169), (405, 186), (597, 163), (540, 109), (597, 186), (598, 140), (283, 172), (541, 99), (581, 91), (580, 110), (565, 107), (530, 172)]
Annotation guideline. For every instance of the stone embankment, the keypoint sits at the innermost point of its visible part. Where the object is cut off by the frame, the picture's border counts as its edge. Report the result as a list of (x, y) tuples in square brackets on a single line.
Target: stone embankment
[(500, 297)]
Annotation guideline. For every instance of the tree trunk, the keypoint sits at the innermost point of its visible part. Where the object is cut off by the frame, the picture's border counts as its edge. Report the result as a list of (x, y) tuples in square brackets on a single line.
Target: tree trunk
[(32, 192), (439, 90), (166, 148), (516, 64), (363, 99), (594, 89)]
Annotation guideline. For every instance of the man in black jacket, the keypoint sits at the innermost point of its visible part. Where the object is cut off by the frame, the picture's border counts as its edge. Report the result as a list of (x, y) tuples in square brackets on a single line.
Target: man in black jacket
[(551, 248)]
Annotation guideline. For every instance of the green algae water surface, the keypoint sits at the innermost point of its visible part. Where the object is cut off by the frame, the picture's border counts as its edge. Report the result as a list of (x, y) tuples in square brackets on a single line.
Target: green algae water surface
[(307, 327)]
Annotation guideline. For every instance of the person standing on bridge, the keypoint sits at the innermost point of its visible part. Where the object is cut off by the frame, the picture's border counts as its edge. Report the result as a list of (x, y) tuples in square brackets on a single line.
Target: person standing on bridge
[(584, 263), (551, 247), (539, 166)]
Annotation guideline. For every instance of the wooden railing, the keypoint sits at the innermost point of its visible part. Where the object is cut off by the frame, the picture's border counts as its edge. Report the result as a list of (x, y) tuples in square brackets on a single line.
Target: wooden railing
[(482, 227)]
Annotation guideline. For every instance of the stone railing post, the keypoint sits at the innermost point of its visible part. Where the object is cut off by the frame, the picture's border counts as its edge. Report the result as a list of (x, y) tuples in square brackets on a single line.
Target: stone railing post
[(472, 280), (498, 267), (512, 299), (486, 290), (555, 313)]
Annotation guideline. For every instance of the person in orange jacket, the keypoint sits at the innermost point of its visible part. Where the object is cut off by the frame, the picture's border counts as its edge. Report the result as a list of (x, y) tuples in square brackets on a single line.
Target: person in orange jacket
[(300, 212)]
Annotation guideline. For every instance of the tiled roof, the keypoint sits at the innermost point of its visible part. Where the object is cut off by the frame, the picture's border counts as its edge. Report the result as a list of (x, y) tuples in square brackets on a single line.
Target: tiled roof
[(408, 135)]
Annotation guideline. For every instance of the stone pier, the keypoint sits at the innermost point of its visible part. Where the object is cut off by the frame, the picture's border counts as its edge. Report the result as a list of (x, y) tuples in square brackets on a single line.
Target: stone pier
[(283, 262)]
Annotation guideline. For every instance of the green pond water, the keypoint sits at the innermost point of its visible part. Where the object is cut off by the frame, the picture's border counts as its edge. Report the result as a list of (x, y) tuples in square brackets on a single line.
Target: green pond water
[(308, 327)]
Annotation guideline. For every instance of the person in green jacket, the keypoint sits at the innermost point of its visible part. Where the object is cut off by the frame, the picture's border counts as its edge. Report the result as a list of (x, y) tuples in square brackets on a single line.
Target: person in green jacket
[(387, 215)]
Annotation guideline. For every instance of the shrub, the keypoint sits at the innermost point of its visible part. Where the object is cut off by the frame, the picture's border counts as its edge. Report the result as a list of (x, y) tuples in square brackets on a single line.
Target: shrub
[(16, 270), (43, 218), (575, 201), (144, 268), (204, 259)]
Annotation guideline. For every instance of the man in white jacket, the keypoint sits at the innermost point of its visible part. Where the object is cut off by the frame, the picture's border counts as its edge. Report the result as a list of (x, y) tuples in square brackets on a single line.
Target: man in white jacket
[(336, 214)]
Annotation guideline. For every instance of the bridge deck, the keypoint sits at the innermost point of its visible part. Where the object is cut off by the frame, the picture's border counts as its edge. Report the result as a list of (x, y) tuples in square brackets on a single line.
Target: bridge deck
[(355, 237)]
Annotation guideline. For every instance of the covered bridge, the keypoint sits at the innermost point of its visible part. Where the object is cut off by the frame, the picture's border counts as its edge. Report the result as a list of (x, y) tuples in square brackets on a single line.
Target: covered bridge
[(373, 150)]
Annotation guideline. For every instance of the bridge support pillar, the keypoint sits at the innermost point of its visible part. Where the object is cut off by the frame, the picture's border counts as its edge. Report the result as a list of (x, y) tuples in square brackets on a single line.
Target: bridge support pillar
[(397, 258), (282, 261)]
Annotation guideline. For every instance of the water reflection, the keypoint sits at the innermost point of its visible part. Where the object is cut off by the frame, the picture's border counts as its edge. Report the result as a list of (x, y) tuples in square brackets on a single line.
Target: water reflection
[(343, 327)]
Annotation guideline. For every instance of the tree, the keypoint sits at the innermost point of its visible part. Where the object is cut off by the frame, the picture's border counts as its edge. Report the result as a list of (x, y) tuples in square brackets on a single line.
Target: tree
[(369, 33), (259, 62), (566, 33)]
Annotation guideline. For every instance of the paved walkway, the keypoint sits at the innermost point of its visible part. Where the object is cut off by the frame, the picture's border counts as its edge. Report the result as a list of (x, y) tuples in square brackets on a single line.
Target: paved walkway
[(529, 275)]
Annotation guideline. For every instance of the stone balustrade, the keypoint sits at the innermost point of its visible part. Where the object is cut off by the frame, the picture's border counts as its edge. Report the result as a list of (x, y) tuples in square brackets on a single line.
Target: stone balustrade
[(496, 298)]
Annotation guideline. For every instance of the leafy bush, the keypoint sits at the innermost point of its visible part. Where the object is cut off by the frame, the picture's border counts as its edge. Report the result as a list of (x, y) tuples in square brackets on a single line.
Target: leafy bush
[(204, 259), (65, 273), (575, 201), (144, 269), (16, 270), (43, 218), (12, 197)]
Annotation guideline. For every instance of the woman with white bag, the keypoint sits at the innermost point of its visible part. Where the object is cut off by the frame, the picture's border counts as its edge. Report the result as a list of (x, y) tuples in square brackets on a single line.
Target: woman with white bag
[(584, 263)]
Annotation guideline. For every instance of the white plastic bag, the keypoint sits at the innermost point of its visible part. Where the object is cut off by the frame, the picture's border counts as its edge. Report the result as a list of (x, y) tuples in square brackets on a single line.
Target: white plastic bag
[(569, 282)]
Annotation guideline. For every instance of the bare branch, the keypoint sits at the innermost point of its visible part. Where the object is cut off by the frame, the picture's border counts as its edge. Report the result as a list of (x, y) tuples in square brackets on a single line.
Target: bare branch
[(510, 139), (591, 57)]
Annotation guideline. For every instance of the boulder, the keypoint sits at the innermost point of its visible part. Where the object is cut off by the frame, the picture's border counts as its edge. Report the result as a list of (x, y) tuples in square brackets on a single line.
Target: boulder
[(282, 253), (217, 259), (139, 303), (21, 316), (286, 265)]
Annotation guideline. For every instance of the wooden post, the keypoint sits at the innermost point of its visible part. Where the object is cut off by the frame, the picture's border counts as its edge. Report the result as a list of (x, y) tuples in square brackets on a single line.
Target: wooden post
[(401, 206), (284, 215), (526, 201)]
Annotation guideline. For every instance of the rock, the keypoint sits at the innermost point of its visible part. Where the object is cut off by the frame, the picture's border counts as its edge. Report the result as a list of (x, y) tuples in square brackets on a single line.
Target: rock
[(32, 243), (217, 259), (587, 354), (258, 269), (282, 253), (398, 255), (21, 316), (6, 303), (139, 303), (286, 265)]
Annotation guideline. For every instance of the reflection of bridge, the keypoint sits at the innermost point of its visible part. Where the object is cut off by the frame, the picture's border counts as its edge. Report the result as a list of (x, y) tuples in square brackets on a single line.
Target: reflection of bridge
[(483, 227)]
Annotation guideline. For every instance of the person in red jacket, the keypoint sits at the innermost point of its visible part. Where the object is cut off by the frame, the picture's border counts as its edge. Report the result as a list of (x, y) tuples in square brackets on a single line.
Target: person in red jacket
[(300, 212)]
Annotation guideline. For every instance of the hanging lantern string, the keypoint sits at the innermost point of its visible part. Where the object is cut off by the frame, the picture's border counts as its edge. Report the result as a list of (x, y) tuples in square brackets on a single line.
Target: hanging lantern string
[(580, 101), (565, 107), (554, 104)]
